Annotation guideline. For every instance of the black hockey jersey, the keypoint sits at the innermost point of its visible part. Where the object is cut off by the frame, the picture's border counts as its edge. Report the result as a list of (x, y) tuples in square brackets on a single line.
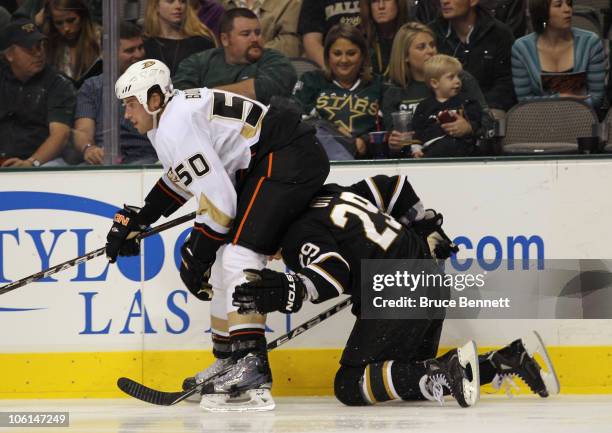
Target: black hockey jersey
[(345, 225)]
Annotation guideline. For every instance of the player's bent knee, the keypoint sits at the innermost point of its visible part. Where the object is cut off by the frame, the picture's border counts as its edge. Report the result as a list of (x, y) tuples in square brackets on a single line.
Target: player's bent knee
[(347, 386)]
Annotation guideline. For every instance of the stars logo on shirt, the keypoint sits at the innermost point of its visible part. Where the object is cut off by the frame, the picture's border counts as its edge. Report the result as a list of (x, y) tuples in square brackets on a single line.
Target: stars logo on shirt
[(345, 110)]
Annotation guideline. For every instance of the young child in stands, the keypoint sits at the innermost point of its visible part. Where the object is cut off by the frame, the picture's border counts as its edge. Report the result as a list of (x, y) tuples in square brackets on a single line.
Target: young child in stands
[(445, 123)]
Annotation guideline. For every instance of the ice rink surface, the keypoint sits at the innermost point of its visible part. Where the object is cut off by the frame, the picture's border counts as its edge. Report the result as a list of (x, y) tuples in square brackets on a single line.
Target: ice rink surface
[(499, 414)]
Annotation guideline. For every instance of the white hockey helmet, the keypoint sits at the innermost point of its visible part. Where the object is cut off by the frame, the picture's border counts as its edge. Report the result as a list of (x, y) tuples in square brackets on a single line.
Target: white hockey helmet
[(140, 77)]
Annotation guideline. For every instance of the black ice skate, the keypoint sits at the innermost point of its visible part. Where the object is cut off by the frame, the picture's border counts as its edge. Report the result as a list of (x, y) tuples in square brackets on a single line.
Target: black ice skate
[(451, 371), (246, 387), (518, 359), (217, 367)]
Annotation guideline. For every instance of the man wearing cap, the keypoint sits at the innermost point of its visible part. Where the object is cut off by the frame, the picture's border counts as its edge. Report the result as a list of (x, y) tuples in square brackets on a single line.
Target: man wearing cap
[(36, 102)]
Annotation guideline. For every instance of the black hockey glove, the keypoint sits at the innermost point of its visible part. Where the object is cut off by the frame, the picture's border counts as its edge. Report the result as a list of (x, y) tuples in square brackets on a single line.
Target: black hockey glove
[(194, 271), (430, 230), (121, 239), (267, 291)]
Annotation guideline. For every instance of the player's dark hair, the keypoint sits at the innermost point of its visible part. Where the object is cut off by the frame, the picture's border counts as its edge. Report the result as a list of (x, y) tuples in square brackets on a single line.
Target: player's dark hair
[(155, 89), (226, 23), (128, 30), (354, 35)]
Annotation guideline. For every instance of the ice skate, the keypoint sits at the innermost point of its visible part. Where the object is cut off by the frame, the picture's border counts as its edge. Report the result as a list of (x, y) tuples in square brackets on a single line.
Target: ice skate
[(451, 371), (517, 359), (246, 387), (217, 367)]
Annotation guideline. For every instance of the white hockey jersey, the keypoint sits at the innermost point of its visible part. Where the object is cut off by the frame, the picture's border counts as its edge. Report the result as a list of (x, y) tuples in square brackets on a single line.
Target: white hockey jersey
[(203, 138)]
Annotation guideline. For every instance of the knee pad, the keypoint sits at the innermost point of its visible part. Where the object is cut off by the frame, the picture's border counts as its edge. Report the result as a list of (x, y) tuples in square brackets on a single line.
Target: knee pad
[(347, 386)]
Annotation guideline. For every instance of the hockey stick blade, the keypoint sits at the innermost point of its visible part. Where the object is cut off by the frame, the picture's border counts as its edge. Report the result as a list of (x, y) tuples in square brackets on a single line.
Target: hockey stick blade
[(153, 396), (90, 255), (163, 398)]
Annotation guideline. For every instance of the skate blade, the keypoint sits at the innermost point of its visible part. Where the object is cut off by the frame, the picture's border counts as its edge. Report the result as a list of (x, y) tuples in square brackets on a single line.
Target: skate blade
[(253, 400), (468, 354), (533, 344)]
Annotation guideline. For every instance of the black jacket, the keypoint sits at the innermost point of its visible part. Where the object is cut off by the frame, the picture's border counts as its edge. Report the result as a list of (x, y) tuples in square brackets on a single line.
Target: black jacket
[(426, 120), (510, 12), (486, 55), (513, 13)]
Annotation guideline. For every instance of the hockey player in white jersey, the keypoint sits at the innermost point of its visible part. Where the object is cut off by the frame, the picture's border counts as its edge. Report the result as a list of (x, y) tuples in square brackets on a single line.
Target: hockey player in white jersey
[(251, 169)]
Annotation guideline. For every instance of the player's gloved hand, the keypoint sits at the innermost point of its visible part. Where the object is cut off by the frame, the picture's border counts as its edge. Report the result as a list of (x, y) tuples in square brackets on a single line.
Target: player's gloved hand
[(430, 230), (121, 239), (266, 291), (195, 272)]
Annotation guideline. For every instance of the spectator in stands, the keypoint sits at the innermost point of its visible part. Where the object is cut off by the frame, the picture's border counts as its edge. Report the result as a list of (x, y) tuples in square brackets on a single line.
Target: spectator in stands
[(89, 115), (174, 32), (513, 13), (444, 105), (510, 12), (36, 102), (74, 40), (345, 92), (414, 44), (482, 44), (209, 12), (317, 17), (557, 47), (279, 21), (242, 66), (380, 21)]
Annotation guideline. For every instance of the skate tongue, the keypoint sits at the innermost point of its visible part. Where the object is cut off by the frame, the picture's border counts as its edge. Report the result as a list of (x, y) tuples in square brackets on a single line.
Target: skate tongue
[(253, 400)]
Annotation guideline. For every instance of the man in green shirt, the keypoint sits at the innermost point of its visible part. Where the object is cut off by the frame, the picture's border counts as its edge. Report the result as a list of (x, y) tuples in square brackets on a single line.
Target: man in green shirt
[(242, 65)]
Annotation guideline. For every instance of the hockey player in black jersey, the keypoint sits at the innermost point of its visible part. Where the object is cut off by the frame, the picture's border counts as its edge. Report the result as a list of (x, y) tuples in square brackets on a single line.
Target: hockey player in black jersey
[(324, 248)]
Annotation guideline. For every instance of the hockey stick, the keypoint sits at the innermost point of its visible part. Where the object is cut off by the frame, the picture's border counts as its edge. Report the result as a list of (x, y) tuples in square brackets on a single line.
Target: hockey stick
[(90, 255), (162, 398)]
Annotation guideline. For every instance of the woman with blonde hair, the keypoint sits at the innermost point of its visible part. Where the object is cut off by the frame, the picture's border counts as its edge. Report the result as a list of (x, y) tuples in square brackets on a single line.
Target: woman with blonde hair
[(346, 92), (413, 44), (174, 32), (73, 44)]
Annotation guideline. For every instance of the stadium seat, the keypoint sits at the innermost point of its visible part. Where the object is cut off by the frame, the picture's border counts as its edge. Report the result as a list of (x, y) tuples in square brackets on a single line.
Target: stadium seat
[(603, 8), (548, 126), (302, 65), (588, 18)]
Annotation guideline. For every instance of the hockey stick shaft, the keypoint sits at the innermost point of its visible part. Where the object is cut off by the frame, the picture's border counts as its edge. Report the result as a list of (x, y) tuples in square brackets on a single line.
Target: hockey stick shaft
[(90, 255), (141, 392)]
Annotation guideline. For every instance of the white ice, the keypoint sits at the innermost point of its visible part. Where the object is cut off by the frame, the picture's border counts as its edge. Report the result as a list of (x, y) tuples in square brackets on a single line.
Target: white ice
[(493, 414)]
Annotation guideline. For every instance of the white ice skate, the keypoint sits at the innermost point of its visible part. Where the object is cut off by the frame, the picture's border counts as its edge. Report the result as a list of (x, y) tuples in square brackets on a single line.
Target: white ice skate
[(218, 366), (245, 388), (451, 371)]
